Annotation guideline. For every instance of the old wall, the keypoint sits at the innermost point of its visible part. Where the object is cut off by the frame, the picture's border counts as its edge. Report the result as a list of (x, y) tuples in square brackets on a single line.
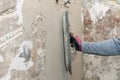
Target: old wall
[(31, 44), (101, 19), (22, 43)]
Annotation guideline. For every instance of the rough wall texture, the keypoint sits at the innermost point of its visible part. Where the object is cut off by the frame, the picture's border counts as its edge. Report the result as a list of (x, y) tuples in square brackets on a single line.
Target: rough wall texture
[(23, 27), (22, 51), (101, 20)]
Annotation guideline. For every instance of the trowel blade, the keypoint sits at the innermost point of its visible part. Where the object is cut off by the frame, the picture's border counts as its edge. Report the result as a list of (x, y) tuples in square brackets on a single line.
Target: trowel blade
[(66, 39)]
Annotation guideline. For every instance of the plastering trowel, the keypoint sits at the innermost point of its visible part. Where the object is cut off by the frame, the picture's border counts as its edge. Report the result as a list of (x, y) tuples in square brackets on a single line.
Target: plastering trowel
[(66, 39)]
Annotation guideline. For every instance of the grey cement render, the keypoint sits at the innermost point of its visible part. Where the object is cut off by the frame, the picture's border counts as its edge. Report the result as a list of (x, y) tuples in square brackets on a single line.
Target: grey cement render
[(55, 57)]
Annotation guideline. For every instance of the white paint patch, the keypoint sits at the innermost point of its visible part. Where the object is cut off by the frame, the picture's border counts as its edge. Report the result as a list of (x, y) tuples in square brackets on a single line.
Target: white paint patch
[(7, 15), (40, 52), (18, 63), (10, 36), (65, 0), (98, 11), (1, 59), (19, 11)]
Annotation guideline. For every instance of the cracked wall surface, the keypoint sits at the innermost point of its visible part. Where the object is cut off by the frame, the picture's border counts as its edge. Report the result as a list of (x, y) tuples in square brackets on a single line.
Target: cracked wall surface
[(101, 19), (22, 42)]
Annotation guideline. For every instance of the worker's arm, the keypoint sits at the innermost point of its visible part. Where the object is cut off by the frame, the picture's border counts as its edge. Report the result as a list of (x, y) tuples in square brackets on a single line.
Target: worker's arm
[(109, 47)]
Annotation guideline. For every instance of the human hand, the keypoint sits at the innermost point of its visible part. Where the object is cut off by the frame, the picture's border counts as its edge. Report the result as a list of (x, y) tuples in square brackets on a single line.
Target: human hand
[(76, 42)]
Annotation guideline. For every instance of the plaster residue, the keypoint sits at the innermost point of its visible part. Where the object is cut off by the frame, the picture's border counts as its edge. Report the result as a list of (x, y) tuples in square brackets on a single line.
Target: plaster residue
[(10, 36), (22, 61), (1, 59), (21, 57), (111, 75), (41, 52), (118, 1), (98, 11), (101, 21), (101, 67), (19, 11)]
